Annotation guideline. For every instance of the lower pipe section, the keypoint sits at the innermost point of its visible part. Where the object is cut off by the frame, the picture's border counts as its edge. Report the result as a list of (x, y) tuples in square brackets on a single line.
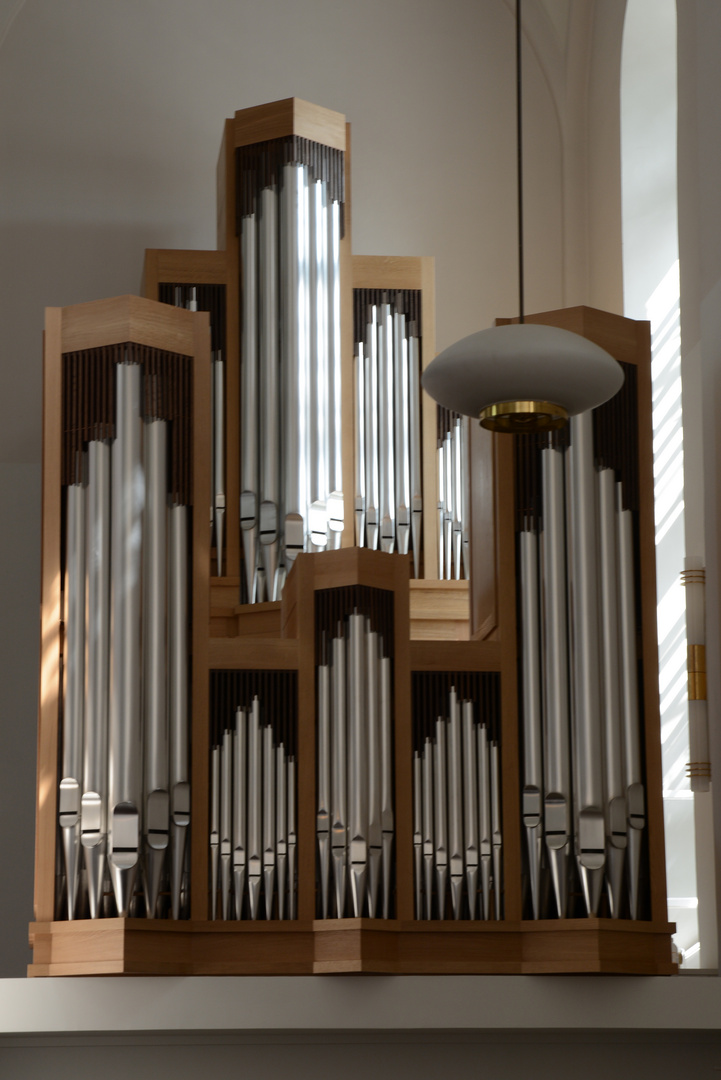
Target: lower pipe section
[(456, 796), (252, 785)]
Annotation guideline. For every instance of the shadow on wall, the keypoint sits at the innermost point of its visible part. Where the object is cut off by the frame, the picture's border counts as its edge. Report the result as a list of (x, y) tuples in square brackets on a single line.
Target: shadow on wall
[(19, 640)]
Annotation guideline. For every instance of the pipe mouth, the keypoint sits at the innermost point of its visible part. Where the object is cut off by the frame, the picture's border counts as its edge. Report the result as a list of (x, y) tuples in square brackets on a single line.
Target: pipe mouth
[(523, 417)]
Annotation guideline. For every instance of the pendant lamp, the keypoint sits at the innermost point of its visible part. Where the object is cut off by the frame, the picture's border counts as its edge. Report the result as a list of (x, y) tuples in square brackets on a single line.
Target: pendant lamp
[(522, 377)]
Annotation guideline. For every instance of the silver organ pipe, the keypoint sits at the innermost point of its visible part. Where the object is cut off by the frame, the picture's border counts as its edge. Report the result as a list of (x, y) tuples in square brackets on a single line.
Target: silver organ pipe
[(633, 766), (335, 503), (250, 500), (268, 524), (240, 809), (388, 497), (470, 808), (124, 790), (615, 809), (416, 476), (318, 372), (387, 511), (179, 718), (485, 818), (156, 801), (357, 763), (124, 736), (531, 707), (339, 784), (355, 753), (253, 794), (456, 860), (557, 736), (417, 834), (323, 816), (94, 804), (360, 454), (291, 195), (226, 839), (449, 492), (592, 784), (73, 713), (210, 298), (386, 765), (456, 795), (372, 466), (375, 774), (453, 476), (401, 424), (586, 681)]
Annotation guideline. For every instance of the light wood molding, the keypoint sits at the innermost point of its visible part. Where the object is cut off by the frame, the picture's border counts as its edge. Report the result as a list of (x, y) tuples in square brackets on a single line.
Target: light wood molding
[(291, 116)]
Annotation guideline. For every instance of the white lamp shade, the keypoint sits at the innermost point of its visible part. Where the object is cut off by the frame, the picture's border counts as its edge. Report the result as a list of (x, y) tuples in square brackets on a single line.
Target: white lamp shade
[(523, 362)]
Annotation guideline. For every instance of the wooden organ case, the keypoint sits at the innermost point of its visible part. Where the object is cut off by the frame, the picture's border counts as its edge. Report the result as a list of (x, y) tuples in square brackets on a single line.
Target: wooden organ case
[(355, 736)]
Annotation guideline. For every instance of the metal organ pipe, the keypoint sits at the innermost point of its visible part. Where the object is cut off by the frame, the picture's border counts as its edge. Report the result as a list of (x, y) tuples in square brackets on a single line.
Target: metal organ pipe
[(253, 796), (291, 285), (335, 504), (73, 716), (456, 799), (94, 803), (126, 654), (588, 678), (453, 495), (372, 469), (319, 420), (633, 766), (125, 770), (612, 730), (179, 726), (354, 758), (416, 479), (557, 761), (249, 497), (156, 802), (532, 718), (388, 497)]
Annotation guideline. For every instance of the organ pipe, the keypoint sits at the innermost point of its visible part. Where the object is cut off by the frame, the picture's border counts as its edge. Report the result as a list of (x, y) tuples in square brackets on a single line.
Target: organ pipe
[(95, 769), (457, 805), (126, 656), (354, 753), (126, 620), (388, 498), (252, 773), (586, 603), (453, 475), (290, 209)]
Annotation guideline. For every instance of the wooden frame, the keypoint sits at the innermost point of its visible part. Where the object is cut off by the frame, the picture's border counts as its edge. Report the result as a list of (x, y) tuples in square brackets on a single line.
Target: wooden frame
[(88, 326), (439, 626)]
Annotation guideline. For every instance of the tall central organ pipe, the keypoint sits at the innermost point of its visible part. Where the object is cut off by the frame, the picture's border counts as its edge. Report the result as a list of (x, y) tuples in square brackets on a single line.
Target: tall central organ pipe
[(291, 460)]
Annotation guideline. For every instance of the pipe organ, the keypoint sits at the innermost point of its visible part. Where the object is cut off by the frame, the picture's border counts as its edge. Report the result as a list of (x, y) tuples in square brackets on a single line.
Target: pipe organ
[(334, 680)]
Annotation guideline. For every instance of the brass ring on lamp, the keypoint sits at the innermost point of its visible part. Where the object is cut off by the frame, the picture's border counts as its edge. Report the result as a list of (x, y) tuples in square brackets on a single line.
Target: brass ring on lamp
[(522, 417)]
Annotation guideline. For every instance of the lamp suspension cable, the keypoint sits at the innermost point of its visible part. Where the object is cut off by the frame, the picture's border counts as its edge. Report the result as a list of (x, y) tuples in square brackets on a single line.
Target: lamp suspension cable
[(519, 159)]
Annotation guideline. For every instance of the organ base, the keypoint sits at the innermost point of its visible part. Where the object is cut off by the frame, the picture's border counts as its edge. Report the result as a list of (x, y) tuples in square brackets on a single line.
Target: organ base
[(347, 946)]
